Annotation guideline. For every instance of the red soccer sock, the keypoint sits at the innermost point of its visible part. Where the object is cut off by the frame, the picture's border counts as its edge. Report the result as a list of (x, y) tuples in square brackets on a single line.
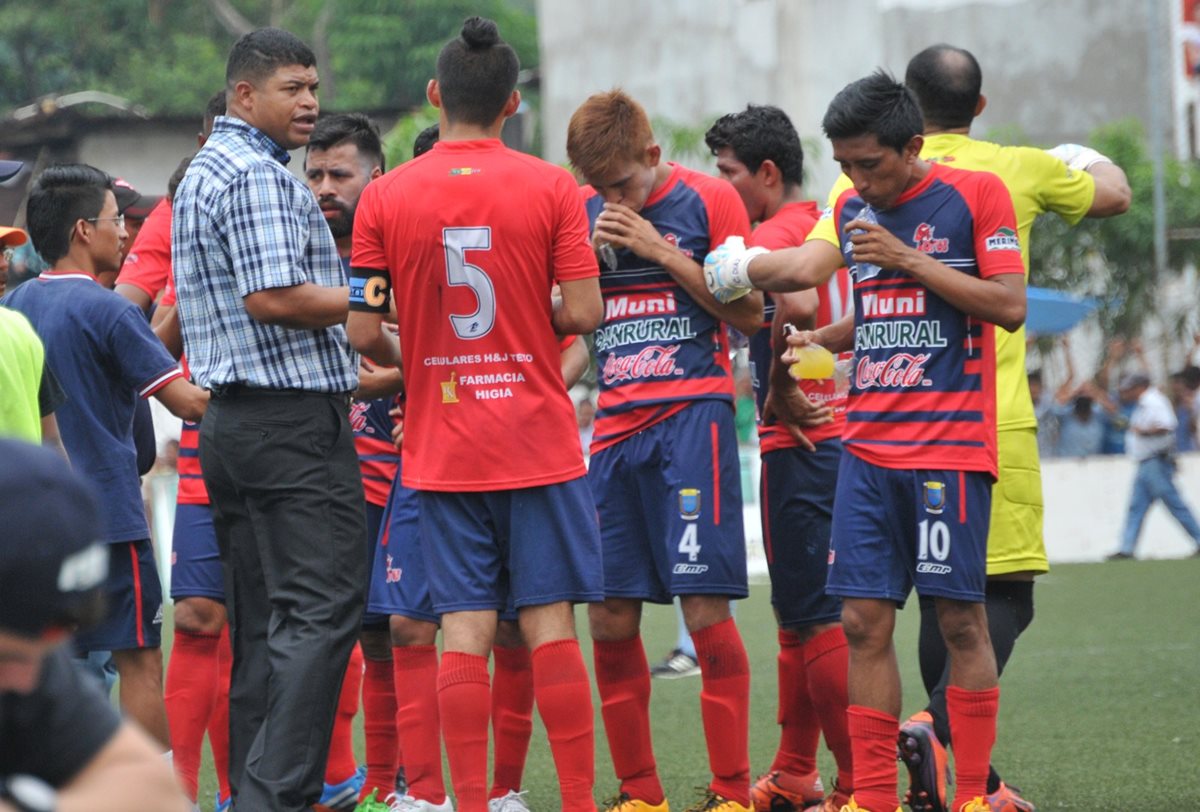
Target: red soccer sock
[(725, 708), (218, 723), (564, 698), (341, 764), (512, 717), (379, 727), (418, 724), (973, 731), (827, 663), (623, 679), (465, 704), (799, 725), (190, 693), (873, 735)]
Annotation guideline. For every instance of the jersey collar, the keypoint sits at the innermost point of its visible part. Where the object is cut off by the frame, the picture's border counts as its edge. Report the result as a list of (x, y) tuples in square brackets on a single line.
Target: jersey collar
[(51, 276)]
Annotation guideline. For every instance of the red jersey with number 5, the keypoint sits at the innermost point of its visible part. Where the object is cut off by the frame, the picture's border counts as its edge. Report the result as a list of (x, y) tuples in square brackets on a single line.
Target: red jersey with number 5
[(474, 235)]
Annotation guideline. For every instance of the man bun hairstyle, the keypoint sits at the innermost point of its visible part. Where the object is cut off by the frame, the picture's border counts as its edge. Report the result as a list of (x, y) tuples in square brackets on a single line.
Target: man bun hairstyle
[(947, 82), (61, 196), (349, 128), (874, 105), (760, 133), (476, 73), (260, 53)]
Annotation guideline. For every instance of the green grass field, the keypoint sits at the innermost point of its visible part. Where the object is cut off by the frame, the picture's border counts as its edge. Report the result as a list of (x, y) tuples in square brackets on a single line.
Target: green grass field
[(1099, 709)]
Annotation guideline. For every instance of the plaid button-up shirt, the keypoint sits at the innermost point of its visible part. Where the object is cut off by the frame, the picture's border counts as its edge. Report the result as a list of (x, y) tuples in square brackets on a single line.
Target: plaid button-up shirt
[(241, 224)]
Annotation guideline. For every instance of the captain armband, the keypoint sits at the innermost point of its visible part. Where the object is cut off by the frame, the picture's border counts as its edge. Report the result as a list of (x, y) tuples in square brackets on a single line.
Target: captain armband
[(369, 290)]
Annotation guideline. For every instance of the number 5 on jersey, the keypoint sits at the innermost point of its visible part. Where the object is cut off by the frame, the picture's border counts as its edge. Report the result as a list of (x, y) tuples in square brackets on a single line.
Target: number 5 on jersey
[(460, 273)]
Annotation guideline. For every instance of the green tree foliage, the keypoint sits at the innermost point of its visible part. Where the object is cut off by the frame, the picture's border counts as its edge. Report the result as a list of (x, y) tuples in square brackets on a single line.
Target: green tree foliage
[(170, 56), (1113, 259)]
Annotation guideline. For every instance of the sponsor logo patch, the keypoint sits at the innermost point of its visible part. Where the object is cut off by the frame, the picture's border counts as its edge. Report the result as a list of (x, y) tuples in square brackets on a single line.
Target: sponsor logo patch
[(934, 569), (450, 389), (689, 569), (1005, 239), (926, 243)]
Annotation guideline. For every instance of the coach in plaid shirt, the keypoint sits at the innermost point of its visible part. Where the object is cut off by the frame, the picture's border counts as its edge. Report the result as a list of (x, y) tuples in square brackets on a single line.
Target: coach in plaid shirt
[(262, 302)]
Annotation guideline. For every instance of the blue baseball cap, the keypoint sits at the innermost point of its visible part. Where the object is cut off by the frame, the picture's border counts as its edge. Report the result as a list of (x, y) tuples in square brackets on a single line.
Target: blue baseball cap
[(52, 564)]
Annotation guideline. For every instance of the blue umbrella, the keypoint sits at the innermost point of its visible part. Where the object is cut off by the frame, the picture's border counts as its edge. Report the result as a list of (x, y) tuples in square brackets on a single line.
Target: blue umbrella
[(1056, 311)]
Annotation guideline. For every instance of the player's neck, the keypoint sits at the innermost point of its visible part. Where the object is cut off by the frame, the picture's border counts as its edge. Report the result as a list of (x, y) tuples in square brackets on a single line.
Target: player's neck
[(76, 261), (463, 131), (345, 245), (948, 130), (791, 194)]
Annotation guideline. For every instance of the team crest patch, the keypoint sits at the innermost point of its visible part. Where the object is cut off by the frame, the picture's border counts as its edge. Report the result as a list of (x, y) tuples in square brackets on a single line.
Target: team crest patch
[(450, 389), (935, 497), (1005, 239), (689, 504), (926, 243)]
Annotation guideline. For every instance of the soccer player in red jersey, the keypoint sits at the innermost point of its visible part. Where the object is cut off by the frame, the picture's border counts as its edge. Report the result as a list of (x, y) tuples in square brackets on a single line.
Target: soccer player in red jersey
[(664, 466), (470, 238), (936, 263), (759, 152)]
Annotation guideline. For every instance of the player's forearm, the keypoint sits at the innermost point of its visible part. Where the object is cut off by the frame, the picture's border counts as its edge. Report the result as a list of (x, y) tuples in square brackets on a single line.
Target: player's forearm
[(838, 336), (984, 299), (798, 310), (789, 269), (1113, 195), (300, 307), (368, 336)]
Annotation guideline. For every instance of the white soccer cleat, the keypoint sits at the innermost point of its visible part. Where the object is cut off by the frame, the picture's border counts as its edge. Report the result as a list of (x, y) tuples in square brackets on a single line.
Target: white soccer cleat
[(407, 803), (510, 802)]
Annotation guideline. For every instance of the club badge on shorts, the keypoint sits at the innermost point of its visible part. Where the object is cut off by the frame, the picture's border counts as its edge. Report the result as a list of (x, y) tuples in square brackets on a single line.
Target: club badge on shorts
[(689, 504), (935, 497)]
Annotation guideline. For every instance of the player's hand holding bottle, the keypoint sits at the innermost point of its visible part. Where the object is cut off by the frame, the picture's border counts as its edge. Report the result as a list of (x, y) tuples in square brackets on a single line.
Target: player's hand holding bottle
[(726, 269)]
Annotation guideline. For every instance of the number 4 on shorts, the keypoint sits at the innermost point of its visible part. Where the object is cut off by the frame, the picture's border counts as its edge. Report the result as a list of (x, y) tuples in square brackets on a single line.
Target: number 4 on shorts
[(689, 543)]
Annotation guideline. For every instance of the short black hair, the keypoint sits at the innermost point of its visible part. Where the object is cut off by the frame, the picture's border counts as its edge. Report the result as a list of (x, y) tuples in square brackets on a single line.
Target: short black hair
[(177, 176), (946, 81), (61, 196), (215, 107), (476, 73), (760, 133), (425, 139), (348, 128), (260, 53), (874, 105)]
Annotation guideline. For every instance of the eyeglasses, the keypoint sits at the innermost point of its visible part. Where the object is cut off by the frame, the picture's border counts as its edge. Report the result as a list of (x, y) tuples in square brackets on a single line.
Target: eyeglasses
[(119, 220)]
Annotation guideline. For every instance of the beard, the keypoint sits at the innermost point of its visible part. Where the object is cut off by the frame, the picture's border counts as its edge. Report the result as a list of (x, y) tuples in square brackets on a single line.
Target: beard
[(343, 224)]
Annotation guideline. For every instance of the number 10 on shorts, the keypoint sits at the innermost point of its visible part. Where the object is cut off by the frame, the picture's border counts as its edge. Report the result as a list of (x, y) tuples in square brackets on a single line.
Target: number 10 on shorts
[(934, 540)]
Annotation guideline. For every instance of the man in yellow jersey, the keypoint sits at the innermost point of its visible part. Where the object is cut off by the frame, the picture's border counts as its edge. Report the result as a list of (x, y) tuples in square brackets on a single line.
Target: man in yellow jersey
[(1074, 182)]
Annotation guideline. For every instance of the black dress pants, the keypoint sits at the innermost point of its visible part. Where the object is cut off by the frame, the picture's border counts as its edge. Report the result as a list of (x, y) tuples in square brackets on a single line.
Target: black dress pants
[(287, 503)]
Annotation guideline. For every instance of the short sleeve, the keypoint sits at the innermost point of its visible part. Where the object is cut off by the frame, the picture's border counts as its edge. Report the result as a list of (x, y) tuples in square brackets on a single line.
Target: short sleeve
[(826, 227), (368, 246), (55, 731), (148, 264), (50, 393), (997, 246), (1067, 192), (726, 213), (267, 229), (145, 364), (573, 254)]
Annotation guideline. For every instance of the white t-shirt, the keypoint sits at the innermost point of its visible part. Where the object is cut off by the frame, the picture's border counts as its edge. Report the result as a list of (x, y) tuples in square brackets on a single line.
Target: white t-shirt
[(1153, 411)]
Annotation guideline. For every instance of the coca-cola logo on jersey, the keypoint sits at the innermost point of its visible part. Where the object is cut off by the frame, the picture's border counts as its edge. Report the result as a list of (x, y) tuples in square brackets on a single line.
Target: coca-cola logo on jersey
[(652, 362), (904, 369), (358, 415)]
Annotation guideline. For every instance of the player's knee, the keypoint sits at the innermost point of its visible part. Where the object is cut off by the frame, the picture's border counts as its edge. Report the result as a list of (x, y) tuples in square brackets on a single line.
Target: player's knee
[(702, 611), (508, 635), (614, 619), (140, 666), (376, 644), (408, 632), (198, 615), (866, 625), (963, 625)]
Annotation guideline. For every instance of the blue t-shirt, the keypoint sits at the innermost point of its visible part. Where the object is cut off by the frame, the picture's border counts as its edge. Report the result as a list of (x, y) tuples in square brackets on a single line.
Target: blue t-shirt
[(105, 356)]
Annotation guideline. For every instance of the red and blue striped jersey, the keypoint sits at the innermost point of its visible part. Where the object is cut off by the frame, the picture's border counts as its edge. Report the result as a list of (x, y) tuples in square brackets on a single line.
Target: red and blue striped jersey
[(378, 458), (923, 385), (658, 350), (786, 229)]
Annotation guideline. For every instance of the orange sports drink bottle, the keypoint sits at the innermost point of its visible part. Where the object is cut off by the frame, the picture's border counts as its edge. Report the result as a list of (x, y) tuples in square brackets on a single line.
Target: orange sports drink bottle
[(813, 362)]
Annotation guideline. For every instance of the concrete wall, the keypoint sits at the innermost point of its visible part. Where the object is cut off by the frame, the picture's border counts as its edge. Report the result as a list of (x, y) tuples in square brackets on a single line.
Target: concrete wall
[(691, 60)]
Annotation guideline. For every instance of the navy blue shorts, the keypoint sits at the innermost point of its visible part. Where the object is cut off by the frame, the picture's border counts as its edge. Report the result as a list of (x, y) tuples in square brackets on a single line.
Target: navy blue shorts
[(135, 602), (195, 559), (797, 489), (399, 584), (896, 529), (375, 514), (670, 505), (512, 548)]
